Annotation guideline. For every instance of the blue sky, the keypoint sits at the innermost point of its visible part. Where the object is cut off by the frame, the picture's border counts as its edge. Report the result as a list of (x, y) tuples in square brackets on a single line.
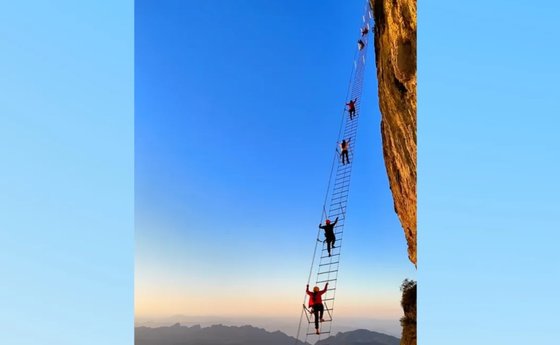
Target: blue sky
[(488, 170), (236, 122)]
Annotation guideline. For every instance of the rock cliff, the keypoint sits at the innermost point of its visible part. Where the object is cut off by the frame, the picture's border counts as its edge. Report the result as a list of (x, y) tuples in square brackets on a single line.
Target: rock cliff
[(395, 54), (408, 321), (395, 57)]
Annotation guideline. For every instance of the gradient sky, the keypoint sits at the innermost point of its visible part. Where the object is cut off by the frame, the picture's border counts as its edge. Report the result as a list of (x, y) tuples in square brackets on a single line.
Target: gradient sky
[(237, 114), (488, 191)]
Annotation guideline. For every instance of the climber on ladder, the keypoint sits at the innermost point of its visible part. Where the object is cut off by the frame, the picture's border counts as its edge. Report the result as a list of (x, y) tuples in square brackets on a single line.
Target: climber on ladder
[(364, 31), (329, 233), (361, 44), (352, 107), (316, 304), (344, 151)]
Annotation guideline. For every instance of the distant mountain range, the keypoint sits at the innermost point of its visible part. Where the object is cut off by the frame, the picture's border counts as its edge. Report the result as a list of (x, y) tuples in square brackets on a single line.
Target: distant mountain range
[(285, 324), (246, 335), (360, 337), (213, 335)]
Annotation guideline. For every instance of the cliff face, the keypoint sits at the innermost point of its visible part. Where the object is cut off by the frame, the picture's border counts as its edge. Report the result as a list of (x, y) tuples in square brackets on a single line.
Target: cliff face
[(395, 54), (408, 321)]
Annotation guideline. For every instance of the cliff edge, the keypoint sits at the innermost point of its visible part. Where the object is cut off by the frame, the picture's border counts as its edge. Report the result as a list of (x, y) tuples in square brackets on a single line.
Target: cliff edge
[(395, 55)]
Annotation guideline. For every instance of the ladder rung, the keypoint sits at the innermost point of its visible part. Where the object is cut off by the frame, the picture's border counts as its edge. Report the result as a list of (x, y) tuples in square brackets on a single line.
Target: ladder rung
[(330, 263), (319, 333), (338, 247), (342, 188), (324, 281), (346, 179), (326, 256), (341, 191), (343, 173), (336, 212), (340, 183), (339, 194), (338, 241), (344, 167), (340, 222), (327, 272)]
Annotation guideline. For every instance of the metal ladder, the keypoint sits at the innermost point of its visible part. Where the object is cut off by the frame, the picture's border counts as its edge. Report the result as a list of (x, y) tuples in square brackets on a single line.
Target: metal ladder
[(328, 266)]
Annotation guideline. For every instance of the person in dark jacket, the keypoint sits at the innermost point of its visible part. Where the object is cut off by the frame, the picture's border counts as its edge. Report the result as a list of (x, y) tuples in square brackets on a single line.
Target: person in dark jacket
[(352, 107), (316, 304), (329, 233), (361, 44), (364, 30)]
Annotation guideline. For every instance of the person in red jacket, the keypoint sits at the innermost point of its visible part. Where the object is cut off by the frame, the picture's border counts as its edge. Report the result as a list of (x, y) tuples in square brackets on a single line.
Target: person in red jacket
[(344, 150), (352, 107), (316, 304)]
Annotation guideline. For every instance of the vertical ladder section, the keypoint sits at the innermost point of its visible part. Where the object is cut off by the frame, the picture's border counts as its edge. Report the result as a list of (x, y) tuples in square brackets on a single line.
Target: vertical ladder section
[(326, 267)]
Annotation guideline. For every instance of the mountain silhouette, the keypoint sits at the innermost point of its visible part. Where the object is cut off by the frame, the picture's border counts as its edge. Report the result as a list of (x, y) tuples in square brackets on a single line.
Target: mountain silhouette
[(213, 335), (360, 337)]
